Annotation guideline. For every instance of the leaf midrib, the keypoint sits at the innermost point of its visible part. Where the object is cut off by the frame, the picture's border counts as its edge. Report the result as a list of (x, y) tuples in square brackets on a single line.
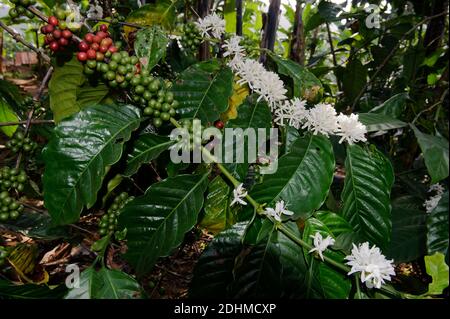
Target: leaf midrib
[(156, 146), (206, 93), (157, 229), (295, 171), (90, 161)]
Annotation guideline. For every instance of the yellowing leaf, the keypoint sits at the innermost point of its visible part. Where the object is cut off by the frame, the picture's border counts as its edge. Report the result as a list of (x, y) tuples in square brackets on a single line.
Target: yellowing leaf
[(240, 92)]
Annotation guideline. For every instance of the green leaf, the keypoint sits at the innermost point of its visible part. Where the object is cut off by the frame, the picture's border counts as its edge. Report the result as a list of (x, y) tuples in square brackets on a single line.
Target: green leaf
[(111, 186), (150, 46), (251, 115), (79, 154), (160, 12), (213, 272), (438, 270), (89, 284), (7, 115), (229, 14), (146, 148), (366, 202), (70, 91), (272, 269), (408, 237), (117, 285), (157, 221), (354, 79), (329, 11), (437, 225), (303, 177), (379, 122), (105, 284), (218, 213), (203, 91), (306, 84), (392, 107), (11, 290), (335, 284), (334, 222), (435, 152)]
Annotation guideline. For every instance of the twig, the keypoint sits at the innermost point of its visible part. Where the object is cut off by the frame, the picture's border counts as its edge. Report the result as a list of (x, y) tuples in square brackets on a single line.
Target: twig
[(128, 24), (19, 38), (82, 229), (33, 208), (389, 56), (441, 100), (330, 40), (37, 97), (24, 122)]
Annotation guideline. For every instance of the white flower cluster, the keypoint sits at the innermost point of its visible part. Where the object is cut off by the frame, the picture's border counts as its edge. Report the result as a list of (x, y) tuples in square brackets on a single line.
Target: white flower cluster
[(266, 84), (431, 203), (211, 25), (238, 194), (371, 263), (320, 119), (321, 244), (279, 211)]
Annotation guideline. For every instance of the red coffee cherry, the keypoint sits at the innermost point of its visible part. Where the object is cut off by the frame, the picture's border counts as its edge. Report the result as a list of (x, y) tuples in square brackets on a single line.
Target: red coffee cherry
[(82, 56), (53, 20)]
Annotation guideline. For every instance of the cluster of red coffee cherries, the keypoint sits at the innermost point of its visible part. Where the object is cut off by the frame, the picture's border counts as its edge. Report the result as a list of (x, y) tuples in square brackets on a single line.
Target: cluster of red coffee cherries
[(96, 46), (55, 37)]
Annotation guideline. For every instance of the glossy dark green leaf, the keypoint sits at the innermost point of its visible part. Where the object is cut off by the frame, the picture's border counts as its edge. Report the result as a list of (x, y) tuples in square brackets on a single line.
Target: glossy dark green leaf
[(157, 221), (437, 225), (366, 194), (251, 115), (78, 155), (379, 122), (9, 290), (70, 91), (150, 46), (333, 283), (334, 222), (354, 79), (218, 215), (435, 151), (329, 11), (146, 148), (105, 284), (160, 12), (303, 177), (203, 91), (213, 272), (392, 107), (306, 84), (274, 268), (408, 240)]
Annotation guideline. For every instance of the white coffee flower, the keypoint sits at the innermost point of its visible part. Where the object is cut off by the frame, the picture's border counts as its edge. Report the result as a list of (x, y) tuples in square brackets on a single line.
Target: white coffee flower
[(211, 24), (266, 84), (291, 112), (232, 46), (239, 192), (351, 129), (375, 269), (321, 244), (280, 209), (322, 119), (431, 203)]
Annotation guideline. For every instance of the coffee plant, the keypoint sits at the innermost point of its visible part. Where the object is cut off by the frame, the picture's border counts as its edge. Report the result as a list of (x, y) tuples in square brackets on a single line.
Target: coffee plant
[(305, 147)]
